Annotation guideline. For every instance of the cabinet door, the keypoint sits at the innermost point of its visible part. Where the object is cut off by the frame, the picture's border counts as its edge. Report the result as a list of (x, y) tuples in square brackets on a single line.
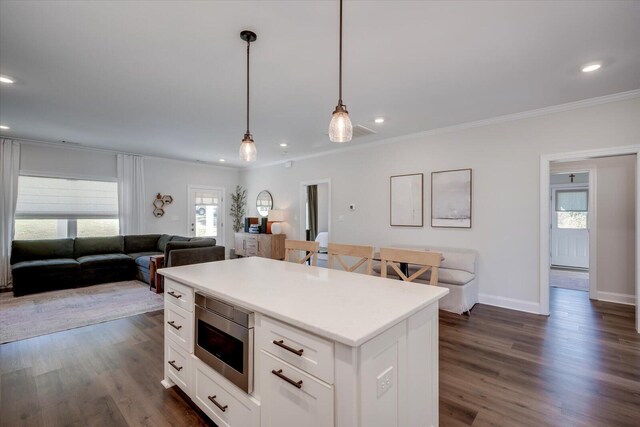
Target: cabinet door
[(264, 245), (286, 405), (240, 244)]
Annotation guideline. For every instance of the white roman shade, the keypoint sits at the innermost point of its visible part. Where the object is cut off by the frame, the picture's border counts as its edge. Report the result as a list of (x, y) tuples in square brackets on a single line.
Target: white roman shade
[(58, 198), (572, 201)]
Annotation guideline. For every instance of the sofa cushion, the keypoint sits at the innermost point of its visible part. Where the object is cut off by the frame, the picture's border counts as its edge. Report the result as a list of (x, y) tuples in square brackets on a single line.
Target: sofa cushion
[(141, 243), (85, 246), (162, 242), (445, 275), (29, 250), (104, 260), (46, 264), (457, 260), (142, 258), (181, 238)]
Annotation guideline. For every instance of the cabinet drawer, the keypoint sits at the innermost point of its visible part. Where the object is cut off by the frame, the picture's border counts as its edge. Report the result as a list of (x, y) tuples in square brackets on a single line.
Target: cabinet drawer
[(178, 294), (178, 326), (177, 365), (303, 350), (209, 391), (292, 398)]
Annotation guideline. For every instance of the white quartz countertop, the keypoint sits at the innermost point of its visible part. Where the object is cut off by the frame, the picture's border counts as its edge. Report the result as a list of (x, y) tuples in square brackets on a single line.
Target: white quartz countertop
[(350, 308)]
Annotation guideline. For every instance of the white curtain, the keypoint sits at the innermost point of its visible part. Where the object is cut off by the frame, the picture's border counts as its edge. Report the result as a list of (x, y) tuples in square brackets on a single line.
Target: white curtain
[(9, 171), (131, 196)]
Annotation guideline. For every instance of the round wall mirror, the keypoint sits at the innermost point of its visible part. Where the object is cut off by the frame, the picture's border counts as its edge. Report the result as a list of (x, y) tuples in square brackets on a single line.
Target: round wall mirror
[(264, 203)]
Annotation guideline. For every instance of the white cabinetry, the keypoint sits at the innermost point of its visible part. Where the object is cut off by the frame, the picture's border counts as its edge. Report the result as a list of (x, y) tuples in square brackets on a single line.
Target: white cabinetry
[(331, 348), (225, 404), (292, 398)]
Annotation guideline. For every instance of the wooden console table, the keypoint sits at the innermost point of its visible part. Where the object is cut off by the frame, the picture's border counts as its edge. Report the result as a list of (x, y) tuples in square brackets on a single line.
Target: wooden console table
[(261, 245), (155, 281)]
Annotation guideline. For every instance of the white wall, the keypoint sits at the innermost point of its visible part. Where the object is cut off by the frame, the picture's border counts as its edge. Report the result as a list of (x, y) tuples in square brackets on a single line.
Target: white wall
[(505, 158), (615, 211), (161, 176), (173, 177)]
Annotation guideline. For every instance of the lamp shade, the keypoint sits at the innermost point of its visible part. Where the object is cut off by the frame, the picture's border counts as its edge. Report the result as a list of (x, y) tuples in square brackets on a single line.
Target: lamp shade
[(248, 149), (276, 215), (340, 128)]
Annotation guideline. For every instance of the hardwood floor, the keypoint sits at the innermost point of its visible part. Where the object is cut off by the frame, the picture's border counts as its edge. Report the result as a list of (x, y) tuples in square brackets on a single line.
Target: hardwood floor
[(578, 367), (581, 366)]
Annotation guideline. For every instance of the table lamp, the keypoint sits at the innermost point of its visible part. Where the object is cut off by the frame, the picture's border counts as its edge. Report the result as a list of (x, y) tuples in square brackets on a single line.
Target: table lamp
[(276, 216)]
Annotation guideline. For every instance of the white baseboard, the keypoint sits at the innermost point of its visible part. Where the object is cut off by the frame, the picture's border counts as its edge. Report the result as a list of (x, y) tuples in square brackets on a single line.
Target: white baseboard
[(617, 298), (513, 304)]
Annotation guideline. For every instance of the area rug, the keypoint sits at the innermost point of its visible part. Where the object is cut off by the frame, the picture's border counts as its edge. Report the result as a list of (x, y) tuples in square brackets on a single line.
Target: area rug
[(40, 314)]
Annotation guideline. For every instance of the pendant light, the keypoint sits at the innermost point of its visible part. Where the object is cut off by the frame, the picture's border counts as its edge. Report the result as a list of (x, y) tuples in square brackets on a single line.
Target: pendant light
[(248, 147), (340, 129)]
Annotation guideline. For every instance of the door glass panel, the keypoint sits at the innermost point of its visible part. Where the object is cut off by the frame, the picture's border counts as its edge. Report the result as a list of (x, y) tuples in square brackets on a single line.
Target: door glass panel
[(572, 220), (206, 210)]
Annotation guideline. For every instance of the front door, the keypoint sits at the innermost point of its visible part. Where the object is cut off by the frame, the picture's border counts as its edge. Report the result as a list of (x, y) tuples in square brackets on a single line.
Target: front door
[(570, 227), (205, 212)]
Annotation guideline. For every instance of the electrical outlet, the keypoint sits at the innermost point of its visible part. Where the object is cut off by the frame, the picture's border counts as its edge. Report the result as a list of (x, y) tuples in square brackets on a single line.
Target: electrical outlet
[(385, 381)]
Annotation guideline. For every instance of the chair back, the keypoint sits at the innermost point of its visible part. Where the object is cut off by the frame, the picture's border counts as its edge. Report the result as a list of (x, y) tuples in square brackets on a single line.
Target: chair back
[(365, 254), (427, 260), (292, 247)]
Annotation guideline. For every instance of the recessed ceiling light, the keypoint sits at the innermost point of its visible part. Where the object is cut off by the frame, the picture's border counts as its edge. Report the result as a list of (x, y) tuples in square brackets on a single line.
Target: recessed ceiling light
[(591, 67), (222, 160), (284, 144), (6, 79), (3, 127), (379, 120)]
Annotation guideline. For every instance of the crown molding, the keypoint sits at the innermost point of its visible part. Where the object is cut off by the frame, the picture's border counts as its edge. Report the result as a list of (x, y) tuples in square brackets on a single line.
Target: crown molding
[(585, 103), (76, 146)]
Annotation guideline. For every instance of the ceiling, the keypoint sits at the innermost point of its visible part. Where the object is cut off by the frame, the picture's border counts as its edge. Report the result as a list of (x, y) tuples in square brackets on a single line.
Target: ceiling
[(168, 78)]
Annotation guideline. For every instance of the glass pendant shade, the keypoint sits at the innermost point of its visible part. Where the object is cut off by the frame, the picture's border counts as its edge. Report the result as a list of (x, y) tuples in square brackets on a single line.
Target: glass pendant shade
[(248, 152), (340, 128)]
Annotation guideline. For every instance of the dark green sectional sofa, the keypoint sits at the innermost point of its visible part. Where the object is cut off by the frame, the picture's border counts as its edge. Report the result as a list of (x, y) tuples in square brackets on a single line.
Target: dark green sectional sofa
[(46, 265)]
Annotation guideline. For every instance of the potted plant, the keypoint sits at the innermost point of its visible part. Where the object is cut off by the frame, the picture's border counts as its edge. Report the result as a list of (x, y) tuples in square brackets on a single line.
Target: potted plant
[(238, 204)]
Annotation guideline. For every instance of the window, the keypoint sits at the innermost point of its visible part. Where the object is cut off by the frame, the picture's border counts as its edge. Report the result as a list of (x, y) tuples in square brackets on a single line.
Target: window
[(50, 208), (572, 209)]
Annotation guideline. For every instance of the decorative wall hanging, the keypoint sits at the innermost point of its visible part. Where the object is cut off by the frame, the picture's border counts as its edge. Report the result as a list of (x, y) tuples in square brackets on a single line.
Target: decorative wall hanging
[(406, 200), (451, 198), (159, 203)]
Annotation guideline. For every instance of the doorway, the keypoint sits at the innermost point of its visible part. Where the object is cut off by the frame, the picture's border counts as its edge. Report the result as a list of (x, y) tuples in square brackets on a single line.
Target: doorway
[(570, 228), (205, 212), (617, 275), (316, 214)]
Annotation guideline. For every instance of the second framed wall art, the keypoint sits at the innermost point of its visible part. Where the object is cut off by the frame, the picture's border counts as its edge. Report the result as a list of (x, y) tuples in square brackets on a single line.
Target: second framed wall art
[(451, 198)]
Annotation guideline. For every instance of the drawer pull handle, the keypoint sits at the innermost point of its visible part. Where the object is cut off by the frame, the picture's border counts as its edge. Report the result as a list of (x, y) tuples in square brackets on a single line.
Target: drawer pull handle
[(213, 399), (173, 294), (286, 347), (279, 374), (173, 363), (173, 323)]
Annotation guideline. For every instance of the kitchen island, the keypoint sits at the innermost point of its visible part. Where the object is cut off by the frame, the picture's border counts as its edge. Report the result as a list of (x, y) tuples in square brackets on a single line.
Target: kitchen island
[(327, 348)]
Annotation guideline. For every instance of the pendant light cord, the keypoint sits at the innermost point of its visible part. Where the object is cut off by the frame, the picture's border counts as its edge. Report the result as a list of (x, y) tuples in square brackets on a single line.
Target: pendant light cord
[(340, 66), (248, 46)]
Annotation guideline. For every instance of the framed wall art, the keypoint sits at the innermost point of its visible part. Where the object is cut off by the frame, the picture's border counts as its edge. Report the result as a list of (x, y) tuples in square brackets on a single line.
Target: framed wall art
[(451, 198), (406, 200)]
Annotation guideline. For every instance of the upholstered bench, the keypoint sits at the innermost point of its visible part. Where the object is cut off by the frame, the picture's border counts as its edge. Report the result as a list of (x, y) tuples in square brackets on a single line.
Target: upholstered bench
[(458, 273)]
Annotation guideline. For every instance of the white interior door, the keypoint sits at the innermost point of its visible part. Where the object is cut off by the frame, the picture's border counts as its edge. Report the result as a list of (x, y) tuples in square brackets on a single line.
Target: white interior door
[(570, 227), (205, 212)]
